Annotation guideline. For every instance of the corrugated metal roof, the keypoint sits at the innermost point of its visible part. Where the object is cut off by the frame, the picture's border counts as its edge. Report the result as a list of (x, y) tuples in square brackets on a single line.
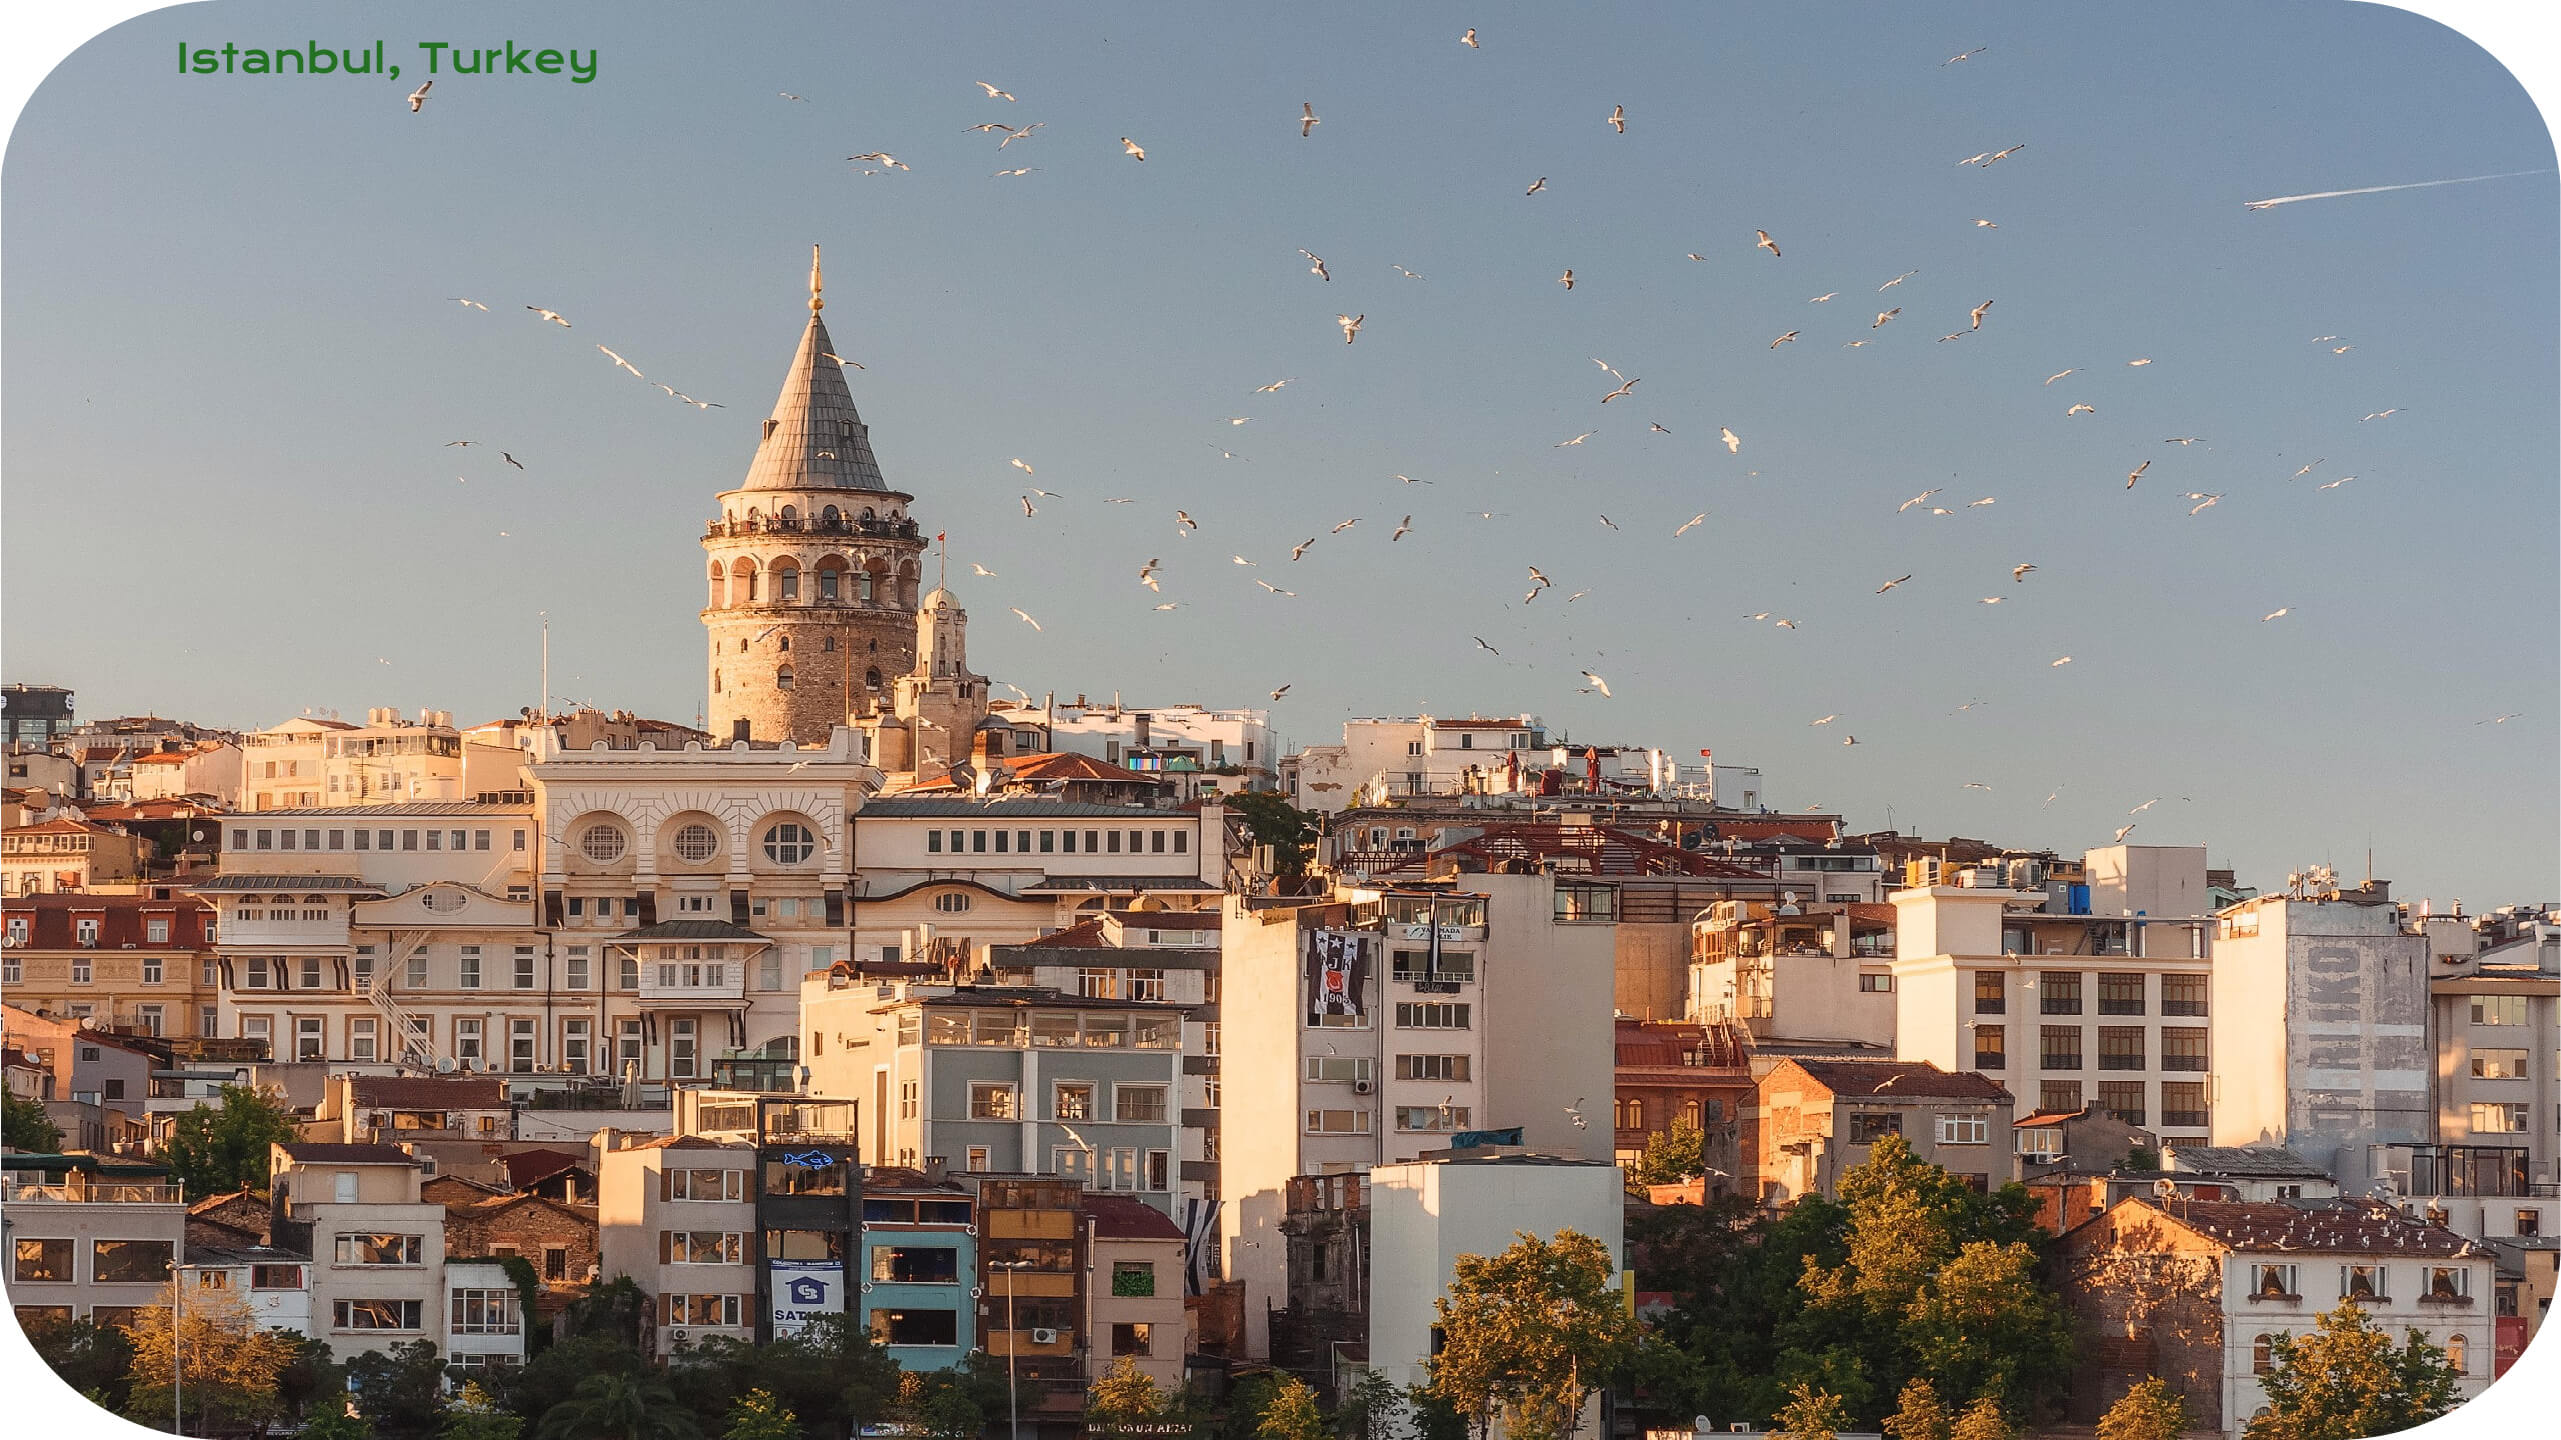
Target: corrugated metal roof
[(1083, 884), (420, 808), (691, 930), (287, 882)]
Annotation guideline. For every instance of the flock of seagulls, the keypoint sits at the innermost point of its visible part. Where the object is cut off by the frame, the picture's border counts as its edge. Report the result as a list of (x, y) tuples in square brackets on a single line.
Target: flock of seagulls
[(1152, 573)]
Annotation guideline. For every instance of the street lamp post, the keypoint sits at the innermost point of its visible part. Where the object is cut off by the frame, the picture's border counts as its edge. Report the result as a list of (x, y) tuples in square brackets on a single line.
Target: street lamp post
[(1013, 1339)]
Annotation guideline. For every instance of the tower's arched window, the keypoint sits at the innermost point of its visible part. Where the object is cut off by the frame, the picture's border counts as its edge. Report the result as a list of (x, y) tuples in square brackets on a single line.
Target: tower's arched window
[(716, 581), (715, 682), (871, 679), (790, 517), (782, 678), (782, 642), (827, 644), (755, 518), (832, 518), (786, 582)]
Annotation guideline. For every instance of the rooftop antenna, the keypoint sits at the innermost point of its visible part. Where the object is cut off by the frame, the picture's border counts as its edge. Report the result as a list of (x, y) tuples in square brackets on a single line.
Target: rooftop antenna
[(542, 706)]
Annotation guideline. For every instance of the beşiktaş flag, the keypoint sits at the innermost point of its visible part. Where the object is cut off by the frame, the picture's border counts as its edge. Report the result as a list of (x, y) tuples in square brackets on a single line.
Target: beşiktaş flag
[(1337, 973), (1200, 1228)]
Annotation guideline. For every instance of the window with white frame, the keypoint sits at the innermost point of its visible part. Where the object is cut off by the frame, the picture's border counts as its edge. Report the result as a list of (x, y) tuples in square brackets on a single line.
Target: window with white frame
[(991, 1102), (2273, 1282), (700, 1247), (1138, 1104), (1964, 1130), (2363, 1282), (1338, 1069), (1338, 1122)]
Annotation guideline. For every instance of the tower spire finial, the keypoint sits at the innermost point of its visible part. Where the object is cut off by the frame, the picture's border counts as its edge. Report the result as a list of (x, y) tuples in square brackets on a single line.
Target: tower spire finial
[(816, 304)]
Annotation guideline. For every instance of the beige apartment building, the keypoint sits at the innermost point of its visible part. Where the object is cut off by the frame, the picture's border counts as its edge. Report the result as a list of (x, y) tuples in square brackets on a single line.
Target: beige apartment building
[(377, 1250), (2100, 1000), (1814, 1118), (678, 1215)]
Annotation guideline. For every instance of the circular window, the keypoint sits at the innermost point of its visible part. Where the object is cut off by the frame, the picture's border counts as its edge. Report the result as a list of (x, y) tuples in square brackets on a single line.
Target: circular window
[(442, 900), (789, 843), (951, 902), (601, 843), (697, 843)]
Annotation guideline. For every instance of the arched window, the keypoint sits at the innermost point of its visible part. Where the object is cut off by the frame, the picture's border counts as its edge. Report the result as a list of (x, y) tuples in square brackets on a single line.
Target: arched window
[(2263, 1355), (696, 843), (871, 679), (791, 517), (827, 644), (790, 843), (782, 643), (832, 518), (715, 682), (1635, 1114), (782, 678), (2458, 1354), (787, 583), (952, 902), (601, 843), (715, 583), (1689, 1113)]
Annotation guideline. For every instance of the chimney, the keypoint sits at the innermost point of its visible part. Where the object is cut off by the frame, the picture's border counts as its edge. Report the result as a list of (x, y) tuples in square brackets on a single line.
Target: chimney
[(935, 1165)]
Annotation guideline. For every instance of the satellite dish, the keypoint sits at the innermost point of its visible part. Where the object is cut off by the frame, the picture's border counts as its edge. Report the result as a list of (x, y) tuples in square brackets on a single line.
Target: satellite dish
[(2166, 1188), (444, 1065)]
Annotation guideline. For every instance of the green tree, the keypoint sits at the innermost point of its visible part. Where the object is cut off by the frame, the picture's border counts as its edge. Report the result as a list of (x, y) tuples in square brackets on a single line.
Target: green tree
[(1273, 821), (1434, 1417), (1124, 1395), (2149, 1411), (1983, 1420), (313, 1386), (477, 1415), (1531, 1333), (757, 1415), (1919, 1414), (227, 1373), (2347, 1379), (531, 1389), (400, 1392), (24, 1125), (619, 1407), (1811, 1414), (1672, 1155), (1983, 1326), (1293, 1414), (1372, 1407), (824, 1374), (214, 1150), (96, 1360)]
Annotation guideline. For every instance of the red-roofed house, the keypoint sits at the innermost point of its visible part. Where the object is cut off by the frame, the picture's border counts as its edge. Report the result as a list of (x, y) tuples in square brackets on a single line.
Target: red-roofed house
[(2196, 1292), (1696, 1076), (1818, 1117), (121, 960), (1134, 1305)]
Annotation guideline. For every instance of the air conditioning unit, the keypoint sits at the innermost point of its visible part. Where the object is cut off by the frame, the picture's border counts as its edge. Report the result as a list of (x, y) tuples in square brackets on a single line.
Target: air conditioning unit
[(1044, 1337), (1363, 1087)]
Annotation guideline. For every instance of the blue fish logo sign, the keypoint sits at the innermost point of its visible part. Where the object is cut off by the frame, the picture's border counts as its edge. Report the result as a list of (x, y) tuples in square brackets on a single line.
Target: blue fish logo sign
[(809, 1160)]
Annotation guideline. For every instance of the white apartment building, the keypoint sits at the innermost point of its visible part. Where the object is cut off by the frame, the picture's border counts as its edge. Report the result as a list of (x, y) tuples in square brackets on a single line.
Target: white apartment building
[(1189, 742), (950, 878), (366, 935), (1371, 1027), (678, 1216), (1418, 755), (1427, 1212), (308, 762), (2114, 1009), (2320, 1001), (276, 1283)]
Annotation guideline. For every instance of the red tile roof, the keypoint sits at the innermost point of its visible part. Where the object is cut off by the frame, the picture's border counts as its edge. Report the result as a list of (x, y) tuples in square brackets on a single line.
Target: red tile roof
[(427, 1092), (1895, 1079), (1068, 765), (1118, 1217), (2347, 1228), (532, 1167), (120, 921)]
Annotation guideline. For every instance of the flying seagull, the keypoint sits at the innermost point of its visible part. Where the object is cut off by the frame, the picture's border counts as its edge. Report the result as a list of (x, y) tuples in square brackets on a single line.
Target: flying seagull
[(1026, 619), (1018, 463), (1401, 527), (992, 92), (2059, 374), (1316, 265), (1147, 576), (510, 459), (1917, 499), (1884, 316), (977, 569), (1621, 390), (841, 360), (1693, 522), (1890, 584), (2122, 831), (2277, 614), (1536, 185), (1978, 315), (2019, 573), (418, 97), (1301, 547), (1783, 339), (1469, 39), (1131, 148), (551, 315), (1968, 55), (1766, 243), (1897, 280), (1733, 442), (1307, 120), (1566, 279), (2136, 474), (1598, 684), (625, 364), (1351, 325), (1618, 119), (1028, 509), (1272, 387), (1577, 440), (457, 299), (2080, 410), (1481, 645), (1275, 589)]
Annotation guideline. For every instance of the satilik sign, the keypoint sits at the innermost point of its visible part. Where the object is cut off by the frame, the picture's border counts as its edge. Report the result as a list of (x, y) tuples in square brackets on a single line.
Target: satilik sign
[(803, 1290)]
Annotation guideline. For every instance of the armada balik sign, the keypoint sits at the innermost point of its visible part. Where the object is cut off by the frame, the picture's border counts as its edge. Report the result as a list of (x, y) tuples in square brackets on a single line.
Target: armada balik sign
[(803, 1290)]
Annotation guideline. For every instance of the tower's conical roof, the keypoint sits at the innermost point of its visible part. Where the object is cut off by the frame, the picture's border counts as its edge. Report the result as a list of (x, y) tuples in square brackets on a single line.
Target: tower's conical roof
[(814, 439)]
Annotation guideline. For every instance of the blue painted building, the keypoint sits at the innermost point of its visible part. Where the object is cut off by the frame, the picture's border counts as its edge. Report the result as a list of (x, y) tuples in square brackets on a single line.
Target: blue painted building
[(919, 1267)]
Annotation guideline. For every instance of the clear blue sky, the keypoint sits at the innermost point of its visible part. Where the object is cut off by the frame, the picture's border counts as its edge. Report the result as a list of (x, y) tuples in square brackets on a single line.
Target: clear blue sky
[(234, 368)]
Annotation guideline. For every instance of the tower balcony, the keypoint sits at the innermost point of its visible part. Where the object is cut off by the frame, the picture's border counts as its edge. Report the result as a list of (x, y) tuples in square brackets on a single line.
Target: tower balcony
[(723, 529)]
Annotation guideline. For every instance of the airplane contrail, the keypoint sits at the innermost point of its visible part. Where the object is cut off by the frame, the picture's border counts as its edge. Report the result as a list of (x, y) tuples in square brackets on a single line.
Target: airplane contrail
[(2379, 189)]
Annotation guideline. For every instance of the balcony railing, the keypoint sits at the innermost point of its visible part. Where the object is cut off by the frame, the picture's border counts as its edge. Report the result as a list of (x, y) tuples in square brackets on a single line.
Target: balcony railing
[(83, 1192)]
